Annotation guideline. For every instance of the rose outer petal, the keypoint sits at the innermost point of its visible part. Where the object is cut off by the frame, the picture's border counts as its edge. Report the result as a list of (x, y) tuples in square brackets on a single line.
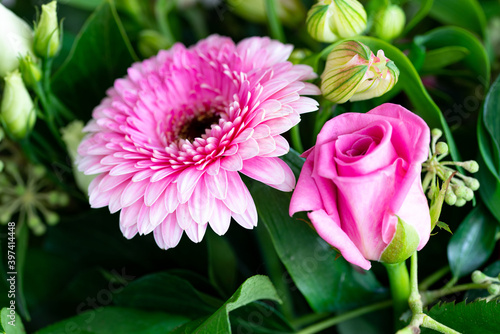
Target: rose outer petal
[(333, 234)]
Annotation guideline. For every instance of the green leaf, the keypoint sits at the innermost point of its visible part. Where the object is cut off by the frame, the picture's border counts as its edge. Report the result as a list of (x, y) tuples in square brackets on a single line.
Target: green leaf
[(168, 293), (11, 322), (472, 318), (491, 116), (422, 11), (409, 81), (472, 243), (101, 54), (111, 320), (222, 264), (477, 60), (489, 189), (255, 288), (403, 244), (442, 57), (327, 283), (22, 235), (83, 4), (467, 14)]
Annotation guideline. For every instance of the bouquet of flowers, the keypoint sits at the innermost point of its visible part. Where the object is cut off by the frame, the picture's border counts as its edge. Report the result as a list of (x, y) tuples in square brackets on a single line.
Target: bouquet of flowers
[(265, 166)]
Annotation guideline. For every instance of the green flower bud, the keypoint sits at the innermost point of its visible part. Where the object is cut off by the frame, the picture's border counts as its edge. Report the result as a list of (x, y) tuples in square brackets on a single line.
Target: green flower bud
[(330, 20), (469, 194), (47, 39), (150, 42), (30, 70), (450, 197), (460, 202), (441, 148), (389, 22), (17, 110), (16, 40), (436, 133), (478, 277), (52, 218), (354, 73), (290, 12), (471, 166), (472, 183), (459, 190), (494, 289), (5, 217), (72, 135)]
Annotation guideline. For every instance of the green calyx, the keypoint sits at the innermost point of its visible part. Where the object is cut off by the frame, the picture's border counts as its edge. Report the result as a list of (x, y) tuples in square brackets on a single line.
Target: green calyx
[(403, 244)]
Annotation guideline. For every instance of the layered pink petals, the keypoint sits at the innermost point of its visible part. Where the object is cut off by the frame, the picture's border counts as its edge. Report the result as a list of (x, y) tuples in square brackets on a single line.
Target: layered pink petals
[(173, 136), (362, 174)]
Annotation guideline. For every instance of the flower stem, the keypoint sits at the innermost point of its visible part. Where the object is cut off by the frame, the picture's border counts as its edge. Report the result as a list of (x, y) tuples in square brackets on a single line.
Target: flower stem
[(399, 281), (296, 141), (433, 278), (416, 306), (430, 296), (275, 27), (344, 317)]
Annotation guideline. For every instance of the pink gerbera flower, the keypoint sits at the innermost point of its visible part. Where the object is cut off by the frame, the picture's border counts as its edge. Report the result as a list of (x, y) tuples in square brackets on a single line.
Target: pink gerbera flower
[(171, 138)]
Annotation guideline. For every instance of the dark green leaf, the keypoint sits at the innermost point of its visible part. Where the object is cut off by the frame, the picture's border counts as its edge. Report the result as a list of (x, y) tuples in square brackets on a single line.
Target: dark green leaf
[(491, 117), (22, 235), (112, 320), (410, 82), (101, 54), (489, 189), (477, 60), (259, 317), (254, 288), (83, 4), (11, 322), (472, 318), (222, 264), (467, 14), (472, 243), (442, 57), (327, 283), (168, 293), (422, 11)]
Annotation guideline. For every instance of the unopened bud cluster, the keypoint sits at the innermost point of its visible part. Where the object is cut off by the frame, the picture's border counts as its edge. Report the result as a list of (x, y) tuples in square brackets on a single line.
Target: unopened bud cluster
[(459, 187), (25, 192), (493, 283)]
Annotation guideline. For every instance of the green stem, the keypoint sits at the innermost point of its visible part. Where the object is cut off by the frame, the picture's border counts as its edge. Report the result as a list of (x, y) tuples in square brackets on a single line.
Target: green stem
[(275, 27), (296, 141), (344, 317), (433, 278), (428, 322), (430, 296), (416, 306), (399, 281)]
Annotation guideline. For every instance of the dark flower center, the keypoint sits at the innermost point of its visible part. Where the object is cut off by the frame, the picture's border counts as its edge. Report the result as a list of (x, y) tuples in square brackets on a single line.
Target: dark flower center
[(197, 125)]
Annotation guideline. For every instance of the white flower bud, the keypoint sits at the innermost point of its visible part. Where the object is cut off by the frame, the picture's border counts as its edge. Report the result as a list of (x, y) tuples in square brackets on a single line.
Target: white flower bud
[(47, 39), (72, 135), (17, 109), (16, 40), (472, 183)]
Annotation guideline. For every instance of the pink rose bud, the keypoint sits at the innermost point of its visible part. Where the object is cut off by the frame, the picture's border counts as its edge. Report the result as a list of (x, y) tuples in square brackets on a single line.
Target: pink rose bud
[(354, 73), (361, 185)]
